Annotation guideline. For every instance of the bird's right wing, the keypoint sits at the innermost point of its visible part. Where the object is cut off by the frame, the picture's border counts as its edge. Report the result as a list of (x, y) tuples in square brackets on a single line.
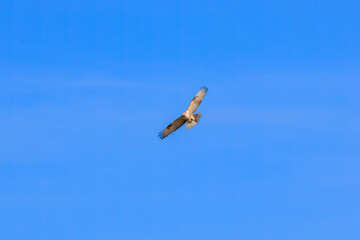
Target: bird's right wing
[(197, 100), (172, 127)]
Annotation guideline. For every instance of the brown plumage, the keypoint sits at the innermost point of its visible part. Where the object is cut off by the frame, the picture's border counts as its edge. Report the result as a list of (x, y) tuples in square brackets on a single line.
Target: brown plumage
[(172, 127), (188, 116)]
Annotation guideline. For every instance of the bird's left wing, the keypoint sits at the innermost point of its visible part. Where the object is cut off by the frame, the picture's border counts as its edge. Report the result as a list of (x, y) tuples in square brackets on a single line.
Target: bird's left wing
[(172, 127), (197, 100)]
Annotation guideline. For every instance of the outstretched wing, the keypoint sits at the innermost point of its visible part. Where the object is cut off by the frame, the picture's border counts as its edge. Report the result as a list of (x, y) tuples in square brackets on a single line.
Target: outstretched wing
[(197, 100), (172, 127)]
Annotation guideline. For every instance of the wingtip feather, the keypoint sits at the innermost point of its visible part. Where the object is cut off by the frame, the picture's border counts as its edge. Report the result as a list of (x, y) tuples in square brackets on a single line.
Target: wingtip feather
[(204, 88), (161, 135)]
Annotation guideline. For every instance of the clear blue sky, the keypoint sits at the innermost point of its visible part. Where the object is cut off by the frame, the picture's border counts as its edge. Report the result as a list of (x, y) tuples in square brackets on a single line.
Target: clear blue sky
[(85, 86)]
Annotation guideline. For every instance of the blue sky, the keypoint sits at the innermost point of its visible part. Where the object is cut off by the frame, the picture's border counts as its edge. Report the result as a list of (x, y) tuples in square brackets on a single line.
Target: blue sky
[(87, 85)]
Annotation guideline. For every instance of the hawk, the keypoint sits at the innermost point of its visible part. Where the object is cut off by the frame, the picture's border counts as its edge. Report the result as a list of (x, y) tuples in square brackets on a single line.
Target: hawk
[(187, 117)]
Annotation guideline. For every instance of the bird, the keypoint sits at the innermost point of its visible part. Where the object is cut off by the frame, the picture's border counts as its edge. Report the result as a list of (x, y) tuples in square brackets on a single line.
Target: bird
[(187, 117)]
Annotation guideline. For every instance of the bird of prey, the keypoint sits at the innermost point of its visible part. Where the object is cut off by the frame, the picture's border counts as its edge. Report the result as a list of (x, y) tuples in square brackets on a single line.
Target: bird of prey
[(188, 116)]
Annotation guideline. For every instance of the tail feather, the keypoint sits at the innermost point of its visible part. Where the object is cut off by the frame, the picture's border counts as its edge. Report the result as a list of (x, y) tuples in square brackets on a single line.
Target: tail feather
[(197, 117), (193, 123)]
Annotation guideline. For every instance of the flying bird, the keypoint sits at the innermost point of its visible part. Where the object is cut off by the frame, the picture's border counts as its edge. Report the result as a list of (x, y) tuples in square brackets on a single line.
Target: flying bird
[(187, 117)]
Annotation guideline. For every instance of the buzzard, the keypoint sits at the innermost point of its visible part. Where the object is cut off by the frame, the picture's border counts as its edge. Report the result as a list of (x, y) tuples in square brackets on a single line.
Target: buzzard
[(188, 116)]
